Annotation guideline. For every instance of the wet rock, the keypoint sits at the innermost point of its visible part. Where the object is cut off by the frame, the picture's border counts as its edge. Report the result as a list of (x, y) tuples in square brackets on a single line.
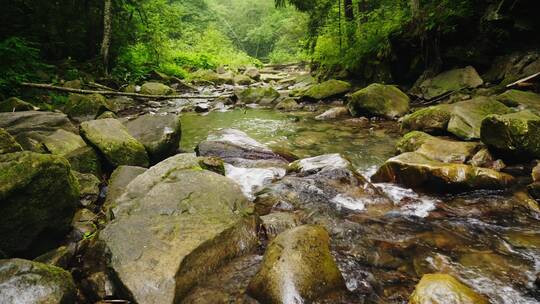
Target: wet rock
[(436, 148), (327, 89), (334, 113), (113, 140), (360, 122), (379, 100), (317, 163), (522, 99), (29, 127), (433, 120), (449, 81), (86, 107), (156, 88), (88, 187), (8, 144), (467, 116), (517, 134), (160, 134), (118, 182), (277, 222), (252, 180), (14, 104), (238, 149), (416, 170), (288, 105), (62, 142), (444, 288), (28, 282), (535, 173), (253, 73), (198, 219), (242, 80), (297, 268), (534, 190), (259, 95), (484, 158), (39, 196), (85, 160)]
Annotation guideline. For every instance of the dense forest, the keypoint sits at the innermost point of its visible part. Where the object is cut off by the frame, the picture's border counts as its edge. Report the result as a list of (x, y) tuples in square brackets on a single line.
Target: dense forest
[(270, 151)]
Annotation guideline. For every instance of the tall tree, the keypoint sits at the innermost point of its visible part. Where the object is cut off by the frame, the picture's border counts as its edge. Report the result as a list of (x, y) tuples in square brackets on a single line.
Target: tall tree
[(107, 33), (349, 11)]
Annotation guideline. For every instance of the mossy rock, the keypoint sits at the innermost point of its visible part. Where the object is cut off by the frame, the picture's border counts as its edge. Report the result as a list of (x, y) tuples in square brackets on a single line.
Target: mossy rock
[(8, 144), (444, 288), (445, 150), (39, 195), (62, 142), (113, 140), (301, 258), (523, 99), (207, 76), (449, 81), (260, 95), (85, 160), (88, 187), (433, 120), (379, 100), (160, 134), (23, 281), (417, 171), (14, 104), (327, 89), (86, 107), (156, 88), (243, 80), (107, 114), (288, 105), (516, 134), (73, 84)]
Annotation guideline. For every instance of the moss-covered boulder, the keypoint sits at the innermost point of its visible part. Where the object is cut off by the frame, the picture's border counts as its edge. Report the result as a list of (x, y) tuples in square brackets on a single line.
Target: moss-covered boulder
[(175, 224), (8, 144), (433, 120), (261, 95), (416, 170), (443, 288), (523, 99), (28, 282), (327, 89), (297, 267), (334, 113), (160, 134), (436, 148), (288, 105), (209, 76), (242, 80), (449, 81), (62, 142), (467, 116), (516, 134), (85, 160), (38, 196), (121, 103), (379, 100), (156, 88), (112, 139), (86, 107), (14, 104)]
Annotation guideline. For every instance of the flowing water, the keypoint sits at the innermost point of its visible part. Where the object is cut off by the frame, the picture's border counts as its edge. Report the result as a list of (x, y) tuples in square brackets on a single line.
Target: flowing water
[(490, 240)]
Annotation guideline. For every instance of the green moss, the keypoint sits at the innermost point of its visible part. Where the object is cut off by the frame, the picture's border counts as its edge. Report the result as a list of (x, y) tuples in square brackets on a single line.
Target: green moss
[(433, 120), (14, 104), (86, 107), (8, 144), (379, 100), (260, 95), (85, 160), (327, 89)]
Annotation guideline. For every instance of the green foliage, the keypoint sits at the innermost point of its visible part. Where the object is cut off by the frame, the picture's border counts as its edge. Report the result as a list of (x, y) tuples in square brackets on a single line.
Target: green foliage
[(19, 62)]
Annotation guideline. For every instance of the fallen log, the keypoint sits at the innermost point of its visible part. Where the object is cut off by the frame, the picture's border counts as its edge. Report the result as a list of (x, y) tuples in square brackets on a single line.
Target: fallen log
[(115, 93), (523, 80)]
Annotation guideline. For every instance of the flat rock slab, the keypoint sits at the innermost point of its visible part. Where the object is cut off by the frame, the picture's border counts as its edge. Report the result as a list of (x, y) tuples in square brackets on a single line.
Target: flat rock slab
[(175, 224), (449, 81), (112, 139)]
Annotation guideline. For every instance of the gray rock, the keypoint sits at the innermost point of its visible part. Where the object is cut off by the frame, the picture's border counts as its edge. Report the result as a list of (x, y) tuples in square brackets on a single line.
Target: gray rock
[(449, 81), (118, 182)]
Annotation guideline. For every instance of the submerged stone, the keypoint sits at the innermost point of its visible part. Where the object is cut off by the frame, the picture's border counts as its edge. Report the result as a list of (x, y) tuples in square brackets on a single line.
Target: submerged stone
[(297, 267), (444, 289), (379, 100), (327, 89), (450, 81)]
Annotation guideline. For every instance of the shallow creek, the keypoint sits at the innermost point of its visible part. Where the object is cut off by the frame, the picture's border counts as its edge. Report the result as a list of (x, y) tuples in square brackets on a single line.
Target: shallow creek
[(490, 240)]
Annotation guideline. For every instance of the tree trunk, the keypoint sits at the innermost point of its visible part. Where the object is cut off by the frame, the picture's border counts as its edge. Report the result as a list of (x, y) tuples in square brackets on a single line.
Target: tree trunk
[(415, 7), (349, 12), (107, 33)]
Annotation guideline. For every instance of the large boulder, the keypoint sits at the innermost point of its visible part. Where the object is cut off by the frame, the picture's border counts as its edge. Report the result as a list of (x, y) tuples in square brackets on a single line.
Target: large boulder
[(8, 144), (522, 99), (62, 142), (327, 89), (260, 95), (436, 148), (120, 178), (379, 100), (175, 224), (86, 107), (38, 196), (467, 116), (433, 120), (14, 104), (517, 134), (450, 81), (156, 88), (27, 282), (160, 134), (297, 267), (30, 127), (416, 170), (112, 139), (443, 288)]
